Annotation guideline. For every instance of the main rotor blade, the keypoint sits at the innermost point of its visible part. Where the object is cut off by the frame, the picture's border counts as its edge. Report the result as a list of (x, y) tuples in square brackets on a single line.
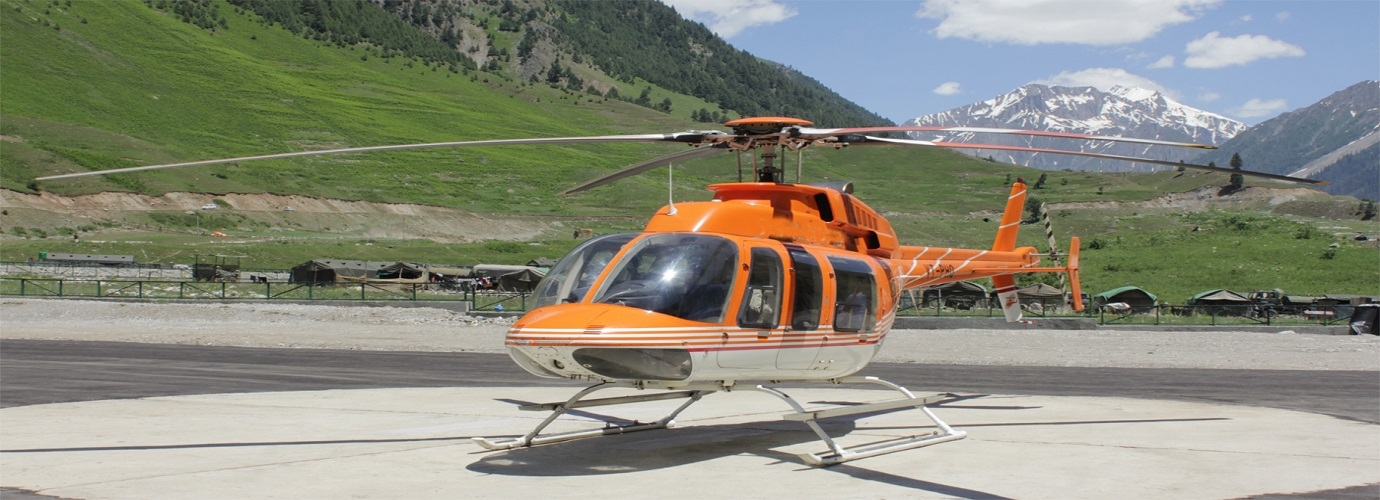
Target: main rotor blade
[(687, 137), (966, 145), (632, 170), (1009, 131)]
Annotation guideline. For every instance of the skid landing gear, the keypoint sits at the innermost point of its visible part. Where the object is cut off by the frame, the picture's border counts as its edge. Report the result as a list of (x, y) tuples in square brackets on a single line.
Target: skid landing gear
[(837, 454)]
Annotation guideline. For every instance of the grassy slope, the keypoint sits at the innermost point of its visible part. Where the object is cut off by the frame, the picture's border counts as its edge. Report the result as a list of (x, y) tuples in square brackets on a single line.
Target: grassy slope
[(174, 92)]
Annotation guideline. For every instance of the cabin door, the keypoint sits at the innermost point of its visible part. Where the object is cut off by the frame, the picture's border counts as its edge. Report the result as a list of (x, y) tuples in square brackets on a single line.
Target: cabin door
[(801, 342)]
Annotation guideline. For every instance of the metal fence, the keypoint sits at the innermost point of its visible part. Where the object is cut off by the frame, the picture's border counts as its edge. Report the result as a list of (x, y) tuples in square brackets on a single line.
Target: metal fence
[(480, 300), (157, 289), (1216, 315)]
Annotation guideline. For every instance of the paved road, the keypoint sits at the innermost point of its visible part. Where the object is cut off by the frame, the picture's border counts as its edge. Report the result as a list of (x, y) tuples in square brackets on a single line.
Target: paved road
[(41, 372)]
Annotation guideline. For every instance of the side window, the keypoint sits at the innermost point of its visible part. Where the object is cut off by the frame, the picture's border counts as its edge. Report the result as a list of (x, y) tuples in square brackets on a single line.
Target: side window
[(762, 298), (855, 295), (809, 289)]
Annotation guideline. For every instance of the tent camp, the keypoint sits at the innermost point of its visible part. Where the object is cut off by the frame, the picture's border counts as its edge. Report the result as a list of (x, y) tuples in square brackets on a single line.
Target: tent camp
[(958, 295), (520, 281), (509, 278), (340, 271), (1046, 297), (331, 270), (1137, 299), (1220, 302)]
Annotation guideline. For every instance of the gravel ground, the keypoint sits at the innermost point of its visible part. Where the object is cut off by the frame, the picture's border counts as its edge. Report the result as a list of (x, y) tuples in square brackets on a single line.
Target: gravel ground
[(428, 329)]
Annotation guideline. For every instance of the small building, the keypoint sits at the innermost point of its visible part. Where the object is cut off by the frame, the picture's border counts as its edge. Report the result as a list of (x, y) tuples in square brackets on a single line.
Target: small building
[(86, 258)]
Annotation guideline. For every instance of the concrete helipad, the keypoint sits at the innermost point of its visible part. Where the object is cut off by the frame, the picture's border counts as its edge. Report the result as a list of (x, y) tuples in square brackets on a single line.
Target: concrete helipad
[(415, 443)]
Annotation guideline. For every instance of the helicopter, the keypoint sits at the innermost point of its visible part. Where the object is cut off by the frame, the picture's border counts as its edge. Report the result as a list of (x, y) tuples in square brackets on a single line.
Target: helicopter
[(769, 282)]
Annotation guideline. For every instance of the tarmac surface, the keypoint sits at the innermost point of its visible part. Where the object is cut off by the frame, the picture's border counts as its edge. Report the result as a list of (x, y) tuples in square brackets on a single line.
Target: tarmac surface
[(126, 420)]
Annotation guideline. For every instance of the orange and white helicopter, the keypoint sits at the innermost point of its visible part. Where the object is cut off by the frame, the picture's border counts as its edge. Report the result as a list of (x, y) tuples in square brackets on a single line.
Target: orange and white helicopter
[(769, 282)]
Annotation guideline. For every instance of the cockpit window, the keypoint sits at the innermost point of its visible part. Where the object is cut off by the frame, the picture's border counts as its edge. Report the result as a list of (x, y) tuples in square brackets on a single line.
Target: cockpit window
[(762, 299), (573, 276), (684, 275)]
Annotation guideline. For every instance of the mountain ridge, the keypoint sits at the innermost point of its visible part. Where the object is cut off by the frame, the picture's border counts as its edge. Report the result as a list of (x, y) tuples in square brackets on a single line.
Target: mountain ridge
[(1336, 139), (1122, 111)]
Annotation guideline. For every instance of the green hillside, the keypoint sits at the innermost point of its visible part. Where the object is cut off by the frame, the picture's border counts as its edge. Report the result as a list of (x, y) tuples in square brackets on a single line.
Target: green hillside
[(96, 85)]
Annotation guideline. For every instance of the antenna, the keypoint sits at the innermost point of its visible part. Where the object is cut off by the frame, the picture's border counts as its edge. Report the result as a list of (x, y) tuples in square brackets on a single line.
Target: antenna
[(670, 189)]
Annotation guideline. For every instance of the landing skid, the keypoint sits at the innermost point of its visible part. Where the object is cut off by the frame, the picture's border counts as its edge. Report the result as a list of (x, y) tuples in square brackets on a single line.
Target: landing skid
[(837, 454)]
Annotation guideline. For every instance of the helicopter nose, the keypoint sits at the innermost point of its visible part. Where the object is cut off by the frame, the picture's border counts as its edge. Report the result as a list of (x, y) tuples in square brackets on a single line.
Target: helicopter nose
[(570, 340)]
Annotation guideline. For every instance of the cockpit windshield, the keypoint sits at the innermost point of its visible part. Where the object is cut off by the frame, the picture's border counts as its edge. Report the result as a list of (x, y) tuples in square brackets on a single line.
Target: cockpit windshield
[(684, 275), (573, 276)]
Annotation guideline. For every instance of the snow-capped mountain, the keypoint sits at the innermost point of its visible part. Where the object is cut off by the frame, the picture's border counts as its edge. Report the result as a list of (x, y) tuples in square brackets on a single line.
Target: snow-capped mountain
[(1124, 111)]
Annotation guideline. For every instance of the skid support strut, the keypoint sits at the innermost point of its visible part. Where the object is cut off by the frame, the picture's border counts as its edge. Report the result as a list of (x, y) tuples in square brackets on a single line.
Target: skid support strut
[(839, 454), (534, 438)]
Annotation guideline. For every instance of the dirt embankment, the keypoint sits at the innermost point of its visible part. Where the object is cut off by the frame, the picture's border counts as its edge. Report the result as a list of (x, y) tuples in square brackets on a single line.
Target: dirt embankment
[(1211, 197), (357, 218)]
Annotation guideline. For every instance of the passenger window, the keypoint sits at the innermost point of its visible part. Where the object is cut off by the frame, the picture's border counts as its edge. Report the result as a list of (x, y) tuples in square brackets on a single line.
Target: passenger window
[(762, 298), (809, 289), (855, 291)]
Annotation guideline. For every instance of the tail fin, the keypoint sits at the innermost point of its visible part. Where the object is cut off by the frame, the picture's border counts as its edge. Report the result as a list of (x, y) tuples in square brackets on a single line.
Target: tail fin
[(1074, 285), (1011, 218)]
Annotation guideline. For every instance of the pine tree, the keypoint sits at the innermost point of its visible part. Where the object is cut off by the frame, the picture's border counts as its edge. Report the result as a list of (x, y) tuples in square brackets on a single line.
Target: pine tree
[(1237, 180)]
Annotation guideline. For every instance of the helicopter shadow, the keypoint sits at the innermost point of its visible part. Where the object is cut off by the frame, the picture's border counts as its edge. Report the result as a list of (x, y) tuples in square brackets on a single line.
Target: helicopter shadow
[(680, 446)]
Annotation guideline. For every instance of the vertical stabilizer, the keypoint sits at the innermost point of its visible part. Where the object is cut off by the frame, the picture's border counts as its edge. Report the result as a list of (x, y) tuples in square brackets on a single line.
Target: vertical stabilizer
[(1005, 285), (1011, 219)]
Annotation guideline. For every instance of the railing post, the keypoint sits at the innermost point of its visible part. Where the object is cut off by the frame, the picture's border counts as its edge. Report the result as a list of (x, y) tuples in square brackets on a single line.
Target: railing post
[(59, 288), (141, 289), (98, 288)]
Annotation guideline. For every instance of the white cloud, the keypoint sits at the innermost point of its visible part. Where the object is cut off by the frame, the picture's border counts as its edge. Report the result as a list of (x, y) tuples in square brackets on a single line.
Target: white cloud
[(1032, 22), (730, 17), (1257, 107), (1163, 62), (948, 88), (1282, 16), (1213, 51), (1104, 79), (1209, 96), (1247, 18)]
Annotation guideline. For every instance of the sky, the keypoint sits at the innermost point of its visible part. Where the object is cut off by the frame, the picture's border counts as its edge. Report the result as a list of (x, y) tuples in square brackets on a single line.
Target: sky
[(1246, 60)]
